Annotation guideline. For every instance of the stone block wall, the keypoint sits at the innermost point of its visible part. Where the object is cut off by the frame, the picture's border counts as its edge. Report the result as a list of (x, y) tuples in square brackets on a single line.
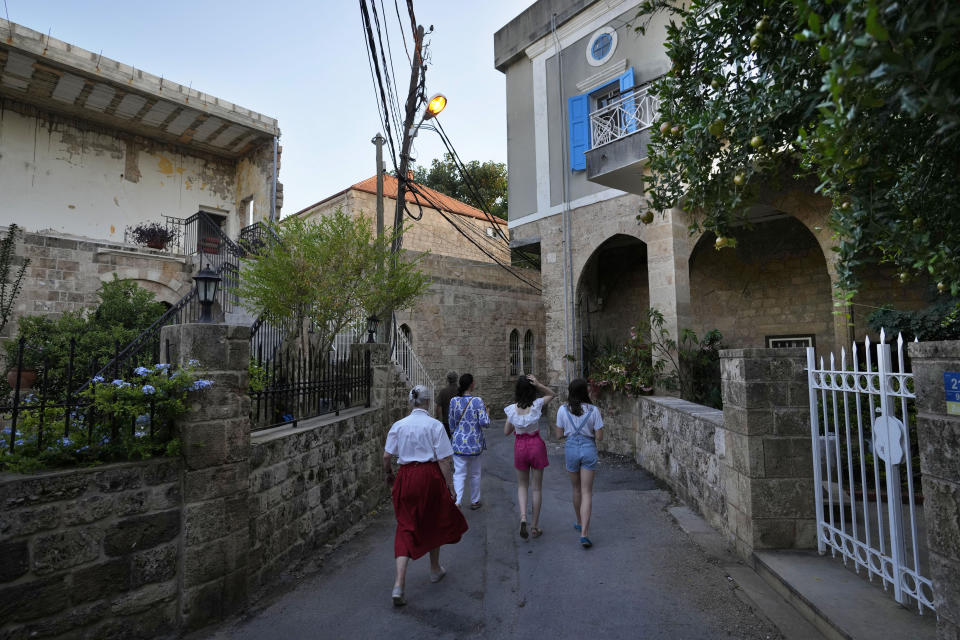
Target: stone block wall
[(90, 552), (312, 482), (939, 439), (679, 442), (66, 272), (464, 321)]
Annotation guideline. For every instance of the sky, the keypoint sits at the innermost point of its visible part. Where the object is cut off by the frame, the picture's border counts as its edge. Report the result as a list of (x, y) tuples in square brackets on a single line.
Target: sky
[(304, 62)]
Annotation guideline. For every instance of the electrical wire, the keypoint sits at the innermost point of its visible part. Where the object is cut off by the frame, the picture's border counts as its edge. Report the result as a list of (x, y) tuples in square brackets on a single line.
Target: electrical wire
[(382, 103), (400, 22), (389, 71)]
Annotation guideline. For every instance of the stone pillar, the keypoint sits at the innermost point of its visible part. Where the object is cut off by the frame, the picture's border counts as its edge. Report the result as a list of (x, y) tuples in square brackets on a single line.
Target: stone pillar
[(766, 461), (939, 440), (668, 270), (215, 444)]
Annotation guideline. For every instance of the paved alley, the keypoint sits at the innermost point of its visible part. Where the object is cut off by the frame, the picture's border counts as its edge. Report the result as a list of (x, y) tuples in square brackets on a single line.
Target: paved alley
[(643, 578)]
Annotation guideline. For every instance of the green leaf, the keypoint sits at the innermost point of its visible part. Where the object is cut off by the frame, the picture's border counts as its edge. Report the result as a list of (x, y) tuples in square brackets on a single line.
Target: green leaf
[(874, 27), (813, 20)]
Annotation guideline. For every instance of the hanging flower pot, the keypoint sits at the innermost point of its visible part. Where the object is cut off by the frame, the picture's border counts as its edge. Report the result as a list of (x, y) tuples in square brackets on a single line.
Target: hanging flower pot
[(153, 234)]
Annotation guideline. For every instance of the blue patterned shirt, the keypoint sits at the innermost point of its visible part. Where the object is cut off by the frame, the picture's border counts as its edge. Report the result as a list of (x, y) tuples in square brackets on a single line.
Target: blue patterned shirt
[(467, 417)]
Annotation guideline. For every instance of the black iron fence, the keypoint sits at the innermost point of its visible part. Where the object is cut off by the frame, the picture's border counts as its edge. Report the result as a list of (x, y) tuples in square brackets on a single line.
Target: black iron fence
[(256, 237), (174, 229), (293, 378), (204, 236), (48, 409)]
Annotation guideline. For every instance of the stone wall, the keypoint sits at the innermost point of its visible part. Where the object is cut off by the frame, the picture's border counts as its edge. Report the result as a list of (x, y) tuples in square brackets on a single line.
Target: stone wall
[(679, 442), (938, 433), (312, 482), (66, 272), (464, 321), (90, 552)]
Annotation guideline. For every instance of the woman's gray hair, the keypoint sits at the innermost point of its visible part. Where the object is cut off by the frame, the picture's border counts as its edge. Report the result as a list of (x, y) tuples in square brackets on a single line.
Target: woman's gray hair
[(420, 396)]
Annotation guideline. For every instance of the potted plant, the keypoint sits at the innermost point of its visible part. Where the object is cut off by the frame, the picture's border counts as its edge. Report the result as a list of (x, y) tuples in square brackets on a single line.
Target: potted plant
[(154, 234)]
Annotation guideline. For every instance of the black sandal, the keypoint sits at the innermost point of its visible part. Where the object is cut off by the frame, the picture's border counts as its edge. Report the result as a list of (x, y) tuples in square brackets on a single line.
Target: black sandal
[(523, 529)]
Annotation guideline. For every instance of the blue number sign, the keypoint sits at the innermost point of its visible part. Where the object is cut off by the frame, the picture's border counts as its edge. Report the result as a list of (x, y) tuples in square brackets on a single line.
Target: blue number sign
[(951, 388)]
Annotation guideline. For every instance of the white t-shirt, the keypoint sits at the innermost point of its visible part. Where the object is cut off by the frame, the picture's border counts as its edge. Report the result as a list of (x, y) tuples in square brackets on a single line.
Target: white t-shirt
[(418, 438), (589, 421), (528, 422)]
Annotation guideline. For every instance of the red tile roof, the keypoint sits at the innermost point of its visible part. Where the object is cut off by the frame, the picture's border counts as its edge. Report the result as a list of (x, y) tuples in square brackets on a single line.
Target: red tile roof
[(443, 201)]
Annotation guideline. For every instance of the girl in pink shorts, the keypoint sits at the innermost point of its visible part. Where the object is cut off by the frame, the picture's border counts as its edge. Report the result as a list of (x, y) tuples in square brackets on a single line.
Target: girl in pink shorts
[(529, 451)]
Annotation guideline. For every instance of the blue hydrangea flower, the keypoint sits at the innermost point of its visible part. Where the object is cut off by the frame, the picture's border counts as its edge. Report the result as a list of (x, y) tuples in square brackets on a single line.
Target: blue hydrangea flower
[(149, 389), (65, 441), (84, 448), (120, 384), (163, 366), (143, 420), (141, 371), (30, 398), (193, 363), (97, 379), (200, 385)]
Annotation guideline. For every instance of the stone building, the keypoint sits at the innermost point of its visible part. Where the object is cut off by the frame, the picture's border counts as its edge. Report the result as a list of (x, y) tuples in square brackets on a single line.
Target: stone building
[(90, 147), (437, 229), (476, 317), (579, 112)]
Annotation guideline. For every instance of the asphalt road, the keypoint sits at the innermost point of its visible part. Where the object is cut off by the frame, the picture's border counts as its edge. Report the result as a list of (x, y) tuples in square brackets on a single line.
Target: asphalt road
[(643, 578)]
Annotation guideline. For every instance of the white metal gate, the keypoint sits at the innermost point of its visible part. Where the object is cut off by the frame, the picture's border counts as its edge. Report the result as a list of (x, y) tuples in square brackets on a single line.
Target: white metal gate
[(861, 422)]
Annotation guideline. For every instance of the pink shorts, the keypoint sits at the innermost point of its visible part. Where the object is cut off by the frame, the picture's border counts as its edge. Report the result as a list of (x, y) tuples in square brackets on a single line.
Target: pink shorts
[(529, 452)]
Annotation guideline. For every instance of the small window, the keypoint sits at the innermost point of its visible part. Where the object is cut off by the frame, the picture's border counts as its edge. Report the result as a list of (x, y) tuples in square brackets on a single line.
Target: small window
[(248, 211), (527, 363), (601, 46), (792, 342), (515, 355)]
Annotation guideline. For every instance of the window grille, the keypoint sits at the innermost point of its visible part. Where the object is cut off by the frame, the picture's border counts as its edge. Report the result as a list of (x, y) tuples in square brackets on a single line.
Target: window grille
[(527, 361), (780, 342), (515, 355)]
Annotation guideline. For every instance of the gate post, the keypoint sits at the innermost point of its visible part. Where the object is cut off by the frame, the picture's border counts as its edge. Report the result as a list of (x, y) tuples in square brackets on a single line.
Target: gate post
[(215, 445), (938, 424), (766, 466)]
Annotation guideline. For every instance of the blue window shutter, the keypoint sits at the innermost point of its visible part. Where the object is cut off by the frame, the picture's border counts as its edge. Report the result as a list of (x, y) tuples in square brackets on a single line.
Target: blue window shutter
[(630, 105), (579, 109)]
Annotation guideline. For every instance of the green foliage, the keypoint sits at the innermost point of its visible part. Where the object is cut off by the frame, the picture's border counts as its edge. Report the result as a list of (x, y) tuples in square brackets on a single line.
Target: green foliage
[(938, 321), (10, 283), (489, 178), (116, 420), (639, 366), (257, 377), (861, 94), (699, 372), (329, 271), (124, 311)]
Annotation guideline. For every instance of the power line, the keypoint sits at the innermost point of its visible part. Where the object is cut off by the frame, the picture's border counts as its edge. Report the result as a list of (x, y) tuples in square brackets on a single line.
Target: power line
[(382, 104)]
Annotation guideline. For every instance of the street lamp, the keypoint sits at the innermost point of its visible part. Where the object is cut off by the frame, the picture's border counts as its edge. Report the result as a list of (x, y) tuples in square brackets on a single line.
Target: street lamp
[(372, 323), (207, 281), (435, 105)]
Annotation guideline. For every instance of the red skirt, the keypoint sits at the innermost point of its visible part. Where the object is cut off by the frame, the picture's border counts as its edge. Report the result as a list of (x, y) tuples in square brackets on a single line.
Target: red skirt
[(427, 516)]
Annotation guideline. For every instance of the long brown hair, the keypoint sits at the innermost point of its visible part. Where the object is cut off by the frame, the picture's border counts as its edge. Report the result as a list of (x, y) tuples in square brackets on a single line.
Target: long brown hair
[(578, 394)]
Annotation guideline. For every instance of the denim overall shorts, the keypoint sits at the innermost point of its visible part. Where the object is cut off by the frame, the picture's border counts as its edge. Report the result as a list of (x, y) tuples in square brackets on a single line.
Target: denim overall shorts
[(581, 450)]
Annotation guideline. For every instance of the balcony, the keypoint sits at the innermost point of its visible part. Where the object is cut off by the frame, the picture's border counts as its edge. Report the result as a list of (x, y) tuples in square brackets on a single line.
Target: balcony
[(620, 133)]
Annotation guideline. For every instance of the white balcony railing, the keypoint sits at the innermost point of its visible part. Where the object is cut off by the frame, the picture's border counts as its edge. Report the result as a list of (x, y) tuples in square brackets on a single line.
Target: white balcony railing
[(632, 112), (405, 358)]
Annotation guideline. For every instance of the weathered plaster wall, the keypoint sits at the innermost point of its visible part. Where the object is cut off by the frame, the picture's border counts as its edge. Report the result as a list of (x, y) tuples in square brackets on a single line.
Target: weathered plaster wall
[(84, 180), (464, 320), (90, 552)]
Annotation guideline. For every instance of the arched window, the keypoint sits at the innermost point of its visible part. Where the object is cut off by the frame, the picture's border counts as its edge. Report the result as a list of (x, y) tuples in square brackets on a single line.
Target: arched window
[(515, 354), (527, 364)]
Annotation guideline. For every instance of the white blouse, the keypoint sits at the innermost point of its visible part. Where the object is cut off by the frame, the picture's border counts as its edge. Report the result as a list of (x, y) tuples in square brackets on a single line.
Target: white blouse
[(418, 438), (528, 422)]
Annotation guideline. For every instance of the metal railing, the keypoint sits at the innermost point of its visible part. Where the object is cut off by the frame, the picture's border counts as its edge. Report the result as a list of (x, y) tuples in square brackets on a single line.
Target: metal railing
[(256, 236), (293, 378), (632, 112), (406, 359), (860, 423), (203, 236), (174, 226), (47, 408)]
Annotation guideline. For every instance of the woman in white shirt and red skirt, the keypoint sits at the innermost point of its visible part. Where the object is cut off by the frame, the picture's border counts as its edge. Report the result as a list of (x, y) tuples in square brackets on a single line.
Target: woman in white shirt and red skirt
[(423, 498)]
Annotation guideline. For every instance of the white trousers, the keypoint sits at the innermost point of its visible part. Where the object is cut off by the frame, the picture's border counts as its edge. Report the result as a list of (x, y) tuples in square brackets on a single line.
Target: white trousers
[(464, 466)]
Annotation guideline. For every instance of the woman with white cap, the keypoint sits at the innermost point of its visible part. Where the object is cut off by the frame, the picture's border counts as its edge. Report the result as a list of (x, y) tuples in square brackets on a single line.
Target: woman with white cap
[(423, 496)]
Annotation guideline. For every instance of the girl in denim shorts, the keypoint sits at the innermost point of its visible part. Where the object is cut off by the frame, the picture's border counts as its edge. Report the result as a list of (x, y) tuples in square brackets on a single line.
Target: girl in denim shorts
[(580, 423), (529, 451)]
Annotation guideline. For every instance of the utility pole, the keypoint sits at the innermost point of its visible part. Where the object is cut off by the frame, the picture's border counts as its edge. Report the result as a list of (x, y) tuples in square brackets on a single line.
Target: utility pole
[(378, 140)]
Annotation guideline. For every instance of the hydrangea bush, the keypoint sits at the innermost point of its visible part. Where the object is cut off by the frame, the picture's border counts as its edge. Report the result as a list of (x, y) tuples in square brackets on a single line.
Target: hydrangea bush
[(118, 419)]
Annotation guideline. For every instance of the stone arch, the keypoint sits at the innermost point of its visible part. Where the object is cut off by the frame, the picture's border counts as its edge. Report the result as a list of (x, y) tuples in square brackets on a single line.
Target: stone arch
[(612, 294), (168, 290), (776, 282)]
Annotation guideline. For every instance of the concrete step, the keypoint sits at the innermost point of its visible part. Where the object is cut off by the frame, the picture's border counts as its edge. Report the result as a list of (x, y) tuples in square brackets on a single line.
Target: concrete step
[(837, 601)]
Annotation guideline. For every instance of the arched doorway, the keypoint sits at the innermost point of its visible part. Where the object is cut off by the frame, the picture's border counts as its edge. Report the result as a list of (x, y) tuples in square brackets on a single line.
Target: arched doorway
[(772, 289), (613, 295)]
